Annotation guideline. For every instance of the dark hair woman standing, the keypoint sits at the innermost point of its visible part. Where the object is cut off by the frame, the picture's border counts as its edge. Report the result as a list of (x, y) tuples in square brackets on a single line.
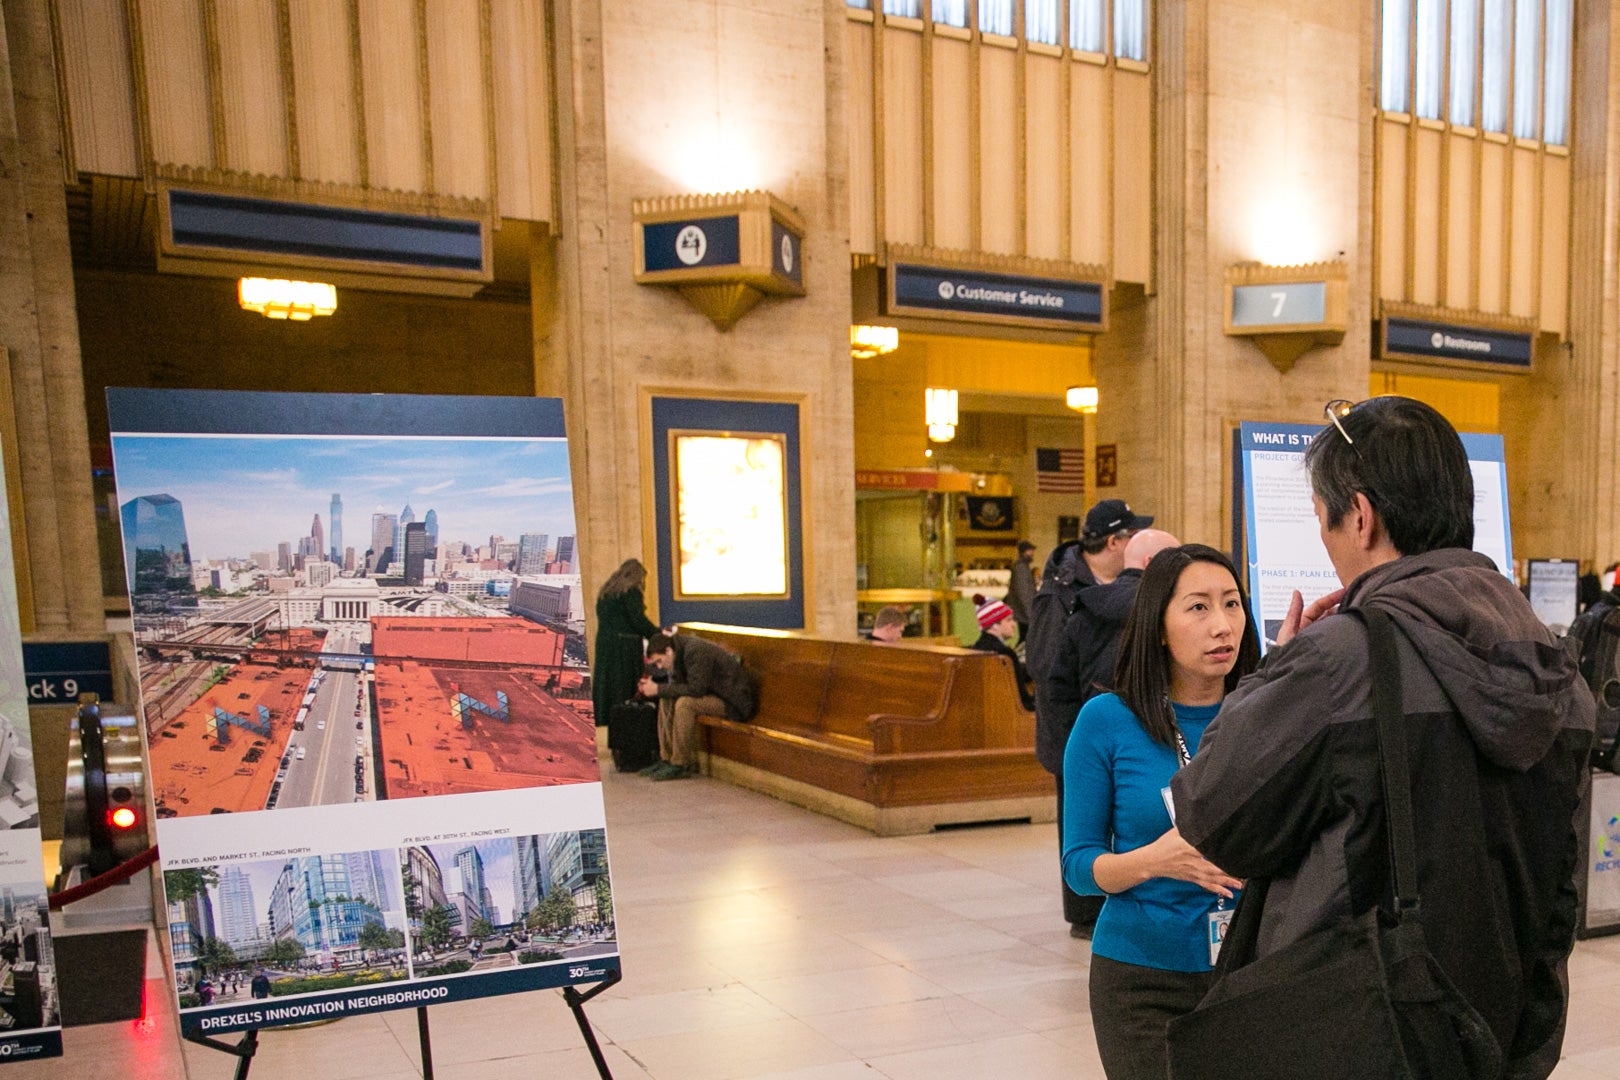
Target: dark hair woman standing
[(621, 625), (1187, 642)]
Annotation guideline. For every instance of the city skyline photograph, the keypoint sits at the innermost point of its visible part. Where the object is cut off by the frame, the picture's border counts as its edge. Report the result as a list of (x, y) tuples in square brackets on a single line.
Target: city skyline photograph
[(272, 488)]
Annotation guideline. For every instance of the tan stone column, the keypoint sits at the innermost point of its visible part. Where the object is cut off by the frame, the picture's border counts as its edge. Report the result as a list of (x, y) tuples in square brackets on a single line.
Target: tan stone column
[(39, 330), (648, 100), (1584, 478), (1262, 131)]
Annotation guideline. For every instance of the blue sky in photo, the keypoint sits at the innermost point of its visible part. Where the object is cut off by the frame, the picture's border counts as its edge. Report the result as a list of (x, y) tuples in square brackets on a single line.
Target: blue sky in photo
[(248, 494)]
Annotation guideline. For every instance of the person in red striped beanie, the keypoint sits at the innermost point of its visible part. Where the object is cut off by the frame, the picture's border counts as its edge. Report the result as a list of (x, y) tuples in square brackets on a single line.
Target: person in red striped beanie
[(996, 629)]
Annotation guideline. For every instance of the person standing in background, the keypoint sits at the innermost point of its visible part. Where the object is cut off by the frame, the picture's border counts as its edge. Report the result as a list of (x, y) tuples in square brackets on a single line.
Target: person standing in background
[(1021, 588), (621, 627)]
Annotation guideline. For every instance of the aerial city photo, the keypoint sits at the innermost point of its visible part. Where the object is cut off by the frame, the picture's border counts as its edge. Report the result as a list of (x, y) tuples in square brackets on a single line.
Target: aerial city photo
[(333, 620)]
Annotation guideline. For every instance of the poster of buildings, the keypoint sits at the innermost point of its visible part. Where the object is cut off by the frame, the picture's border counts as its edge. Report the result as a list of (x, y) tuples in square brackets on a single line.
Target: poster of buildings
[(360, 638), (1281, 537), (30, 1013)]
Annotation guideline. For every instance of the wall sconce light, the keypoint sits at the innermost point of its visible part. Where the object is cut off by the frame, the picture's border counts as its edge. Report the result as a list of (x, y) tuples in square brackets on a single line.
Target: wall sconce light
[(724, 253), (1082, 399), (939, 410), (866, 342), (278, 298), (1288, 310)]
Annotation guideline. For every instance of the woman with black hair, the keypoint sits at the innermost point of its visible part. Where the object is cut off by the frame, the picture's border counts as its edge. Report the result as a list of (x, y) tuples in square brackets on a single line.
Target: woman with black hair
[(1188, 640), (621, 627)]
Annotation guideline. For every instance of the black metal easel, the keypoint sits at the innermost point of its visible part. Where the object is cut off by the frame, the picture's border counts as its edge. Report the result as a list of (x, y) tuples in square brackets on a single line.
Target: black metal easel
[(249, 1045)]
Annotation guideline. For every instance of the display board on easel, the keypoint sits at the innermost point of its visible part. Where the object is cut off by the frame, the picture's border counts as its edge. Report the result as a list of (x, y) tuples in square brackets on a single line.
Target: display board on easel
[(1276, 534), (364, 691)]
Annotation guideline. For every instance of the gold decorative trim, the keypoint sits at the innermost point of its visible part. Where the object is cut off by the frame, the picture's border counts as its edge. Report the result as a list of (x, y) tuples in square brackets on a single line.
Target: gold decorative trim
[(12, 454), (1254, 273), (1028, 265), (280, 187), (673, 207), (1481, 320), (64, 113), (357, 79), (425, 86), (216, 84), (486, 50), (143, 100), (289, 87)]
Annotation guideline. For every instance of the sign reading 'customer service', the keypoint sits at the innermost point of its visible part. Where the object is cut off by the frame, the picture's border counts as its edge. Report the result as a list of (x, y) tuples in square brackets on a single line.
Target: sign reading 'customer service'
[(937, 292)]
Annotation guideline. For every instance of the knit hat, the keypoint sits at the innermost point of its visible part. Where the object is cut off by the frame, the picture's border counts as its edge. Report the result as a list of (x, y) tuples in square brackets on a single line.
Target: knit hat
[(991, 612)]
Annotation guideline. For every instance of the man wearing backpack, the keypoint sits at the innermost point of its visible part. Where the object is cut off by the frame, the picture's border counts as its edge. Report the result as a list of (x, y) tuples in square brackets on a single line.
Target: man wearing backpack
[(1594, 640), (1095, 559)]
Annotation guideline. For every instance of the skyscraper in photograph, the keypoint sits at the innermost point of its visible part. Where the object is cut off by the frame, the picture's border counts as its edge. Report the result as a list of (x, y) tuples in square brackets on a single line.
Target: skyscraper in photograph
[(532, 553), (336, 518), (383, 527), (157, 556), (416, 548), (284, 557), (315, 903), (238, 914), (348, 559), (368, 877), (425, 879), (530, 878), (317, 539), (431, 521), (406, 517), (565, 554), (471, 865)]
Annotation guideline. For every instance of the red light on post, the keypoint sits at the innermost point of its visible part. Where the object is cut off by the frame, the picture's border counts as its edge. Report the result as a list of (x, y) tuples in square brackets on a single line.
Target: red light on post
[(122, 818)]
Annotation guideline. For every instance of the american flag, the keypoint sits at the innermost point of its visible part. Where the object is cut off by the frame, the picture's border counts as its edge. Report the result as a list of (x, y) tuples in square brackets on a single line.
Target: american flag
[(1060, 471)]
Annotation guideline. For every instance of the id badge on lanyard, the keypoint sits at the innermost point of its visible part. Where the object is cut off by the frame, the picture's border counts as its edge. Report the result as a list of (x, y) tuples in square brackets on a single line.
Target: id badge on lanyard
[(1221, 918)]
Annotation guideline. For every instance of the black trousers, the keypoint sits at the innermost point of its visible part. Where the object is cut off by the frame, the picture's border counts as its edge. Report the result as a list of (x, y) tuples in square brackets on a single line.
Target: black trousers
[(1077, 910), (1130, 1007)]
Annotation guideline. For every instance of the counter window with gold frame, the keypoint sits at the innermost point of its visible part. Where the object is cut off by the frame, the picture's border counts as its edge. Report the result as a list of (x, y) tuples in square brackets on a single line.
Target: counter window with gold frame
[(730, 514)]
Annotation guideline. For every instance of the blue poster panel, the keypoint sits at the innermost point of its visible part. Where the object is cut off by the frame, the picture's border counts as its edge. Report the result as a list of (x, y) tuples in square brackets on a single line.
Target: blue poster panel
[(30, 1006), (726, 502), (1282, 543), (364, 692)]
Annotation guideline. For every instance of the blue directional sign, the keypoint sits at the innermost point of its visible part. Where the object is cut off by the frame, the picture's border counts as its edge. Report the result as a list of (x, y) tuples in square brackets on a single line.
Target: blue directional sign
[(992, 297), (59, 671), (682, 245), (1421, 340)]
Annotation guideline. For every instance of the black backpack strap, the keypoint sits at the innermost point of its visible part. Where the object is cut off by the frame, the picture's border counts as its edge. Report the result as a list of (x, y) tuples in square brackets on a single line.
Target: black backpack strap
[(1385, 663)]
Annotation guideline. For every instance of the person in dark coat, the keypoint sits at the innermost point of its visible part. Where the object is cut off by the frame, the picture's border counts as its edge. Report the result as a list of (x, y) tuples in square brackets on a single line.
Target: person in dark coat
[(1286, 788), (705, 679), (1021, 588), (621, 626), (996, 625)]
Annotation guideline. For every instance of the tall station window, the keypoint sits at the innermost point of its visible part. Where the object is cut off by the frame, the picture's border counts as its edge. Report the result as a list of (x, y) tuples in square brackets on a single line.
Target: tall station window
[(951, 12), (910, 9), (1464, 60), (1041, 21), (1130, 29), (1086, 25), (1431, 56), (1560, 40), (864, 5), (996, 17), (1394, 52), (1502, 65)]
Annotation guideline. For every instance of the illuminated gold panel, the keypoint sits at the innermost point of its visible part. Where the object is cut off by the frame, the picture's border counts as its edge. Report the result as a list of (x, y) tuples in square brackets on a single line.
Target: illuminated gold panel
[(730, 514)]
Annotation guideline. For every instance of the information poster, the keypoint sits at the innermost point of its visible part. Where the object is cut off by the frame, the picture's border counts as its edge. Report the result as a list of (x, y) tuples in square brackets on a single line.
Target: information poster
[(364, 691), (1555, 592), (30, 1007), (1282, 538)]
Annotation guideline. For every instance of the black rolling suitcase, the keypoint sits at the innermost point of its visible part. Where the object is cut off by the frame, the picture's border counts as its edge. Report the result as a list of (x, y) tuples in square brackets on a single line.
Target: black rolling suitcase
[(633, 735)]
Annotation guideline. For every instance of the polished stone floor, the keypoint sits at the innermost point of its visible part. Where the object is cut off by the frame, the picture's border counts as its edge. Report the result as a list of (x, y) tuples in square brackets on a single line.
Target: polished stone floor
[(764, 941)]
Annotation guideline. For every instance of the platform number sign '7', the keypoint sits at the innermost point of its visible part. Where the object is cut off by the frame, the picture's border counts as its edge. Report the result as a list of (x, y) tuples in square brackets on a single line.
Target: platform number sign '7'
[(691, 244)]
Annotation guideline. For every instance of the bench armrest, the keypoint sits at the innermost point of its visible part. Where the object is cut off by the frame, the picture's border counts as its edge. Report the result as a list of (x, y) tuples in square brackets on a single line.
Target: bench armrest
[(888, 728)]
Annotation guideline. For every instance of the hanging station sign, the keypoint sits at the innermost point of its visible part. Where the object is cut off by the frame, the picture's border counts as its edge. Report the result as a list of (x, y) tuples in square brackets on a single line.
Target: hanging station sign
[(932, 284), (723, 252), (1435, 336)]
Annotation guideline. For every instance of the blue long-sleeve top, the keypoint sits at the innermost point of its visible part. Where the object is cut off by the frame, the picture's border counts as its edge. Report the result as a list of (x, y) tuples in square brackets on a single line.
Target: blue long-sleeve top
[(1114, 776)]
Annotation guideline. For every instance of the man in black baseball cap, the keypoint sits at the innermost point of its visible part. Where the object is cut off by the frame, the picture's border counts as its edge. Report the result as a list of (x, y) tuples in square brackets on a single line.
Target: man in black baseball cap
[(1097, 558)]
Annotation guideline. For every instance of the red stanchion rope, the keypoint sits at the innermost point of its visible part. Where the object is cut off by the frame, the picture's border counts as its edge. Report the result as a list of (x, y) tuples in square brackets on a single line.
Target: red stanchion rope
[(122, 872)]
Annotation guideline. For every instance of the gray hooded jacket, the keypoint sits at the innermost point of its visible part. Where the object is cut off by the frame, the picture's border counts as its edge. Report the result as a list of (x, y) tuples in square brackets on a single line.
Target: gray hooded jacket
[(1286, 786)]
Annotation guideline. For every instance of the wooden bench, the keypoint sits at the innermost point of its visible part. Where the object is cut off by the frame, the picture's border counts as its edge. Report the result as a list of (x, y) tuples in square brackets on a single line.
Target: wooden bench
[(894, 738)]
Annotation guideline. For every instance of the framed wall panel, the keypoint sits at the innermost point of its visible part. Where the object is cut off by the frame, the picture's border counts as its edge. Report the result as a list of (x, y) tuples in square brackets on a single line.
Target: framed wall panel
[(727, 517)]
